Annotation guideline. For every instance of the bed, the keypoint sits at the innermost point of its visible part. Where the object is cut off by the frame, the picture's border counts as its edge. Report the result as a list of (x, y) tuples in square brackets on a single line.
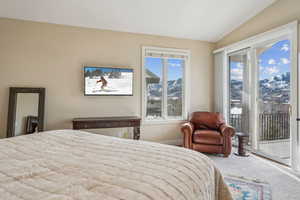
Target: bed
[(75, 165)]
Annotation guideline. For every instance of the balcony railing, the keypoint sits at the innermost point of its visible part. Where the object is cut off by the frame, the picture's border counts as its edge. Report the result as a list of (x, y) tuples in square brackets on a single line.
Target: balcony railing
[(272, 126), (236, 122)]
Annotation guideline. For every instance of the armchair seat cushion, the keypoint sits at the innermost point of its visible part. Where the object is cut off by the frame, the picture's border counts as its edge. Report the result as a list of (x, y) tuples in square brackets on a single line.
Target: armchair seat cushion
[(207, 137)]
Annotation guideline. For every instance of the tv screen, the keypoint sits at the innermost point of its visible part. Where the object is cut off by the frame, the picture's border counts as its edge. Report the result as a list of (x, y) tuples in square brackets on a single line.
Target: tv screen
[(108, 81)]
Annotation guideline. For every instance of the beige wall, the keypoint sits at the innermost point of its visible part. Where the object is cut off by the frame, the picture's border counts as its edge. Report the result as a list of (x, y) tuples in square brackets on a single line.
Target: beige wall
[(52, 56), (279, 13)]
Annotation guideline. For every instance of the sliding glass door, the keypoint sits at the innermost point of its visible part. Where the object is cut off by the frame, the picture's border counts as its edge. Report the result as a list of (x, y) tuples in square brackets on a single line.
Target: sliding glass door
[(261, 100), (239, 90), (262, 90), (273, 102)]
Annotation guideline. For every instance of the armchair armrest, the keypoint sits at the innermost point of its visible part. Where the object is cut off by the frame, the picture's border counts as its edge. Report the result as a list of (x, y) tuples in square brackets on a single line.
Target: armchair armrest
[(227, 131), (187, 129)]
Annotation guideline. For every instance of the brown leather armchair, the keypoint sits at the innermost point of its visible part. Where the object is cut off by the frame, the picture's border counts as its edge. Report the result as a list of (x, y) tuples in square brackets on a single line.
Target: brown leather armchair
[(207, 132)]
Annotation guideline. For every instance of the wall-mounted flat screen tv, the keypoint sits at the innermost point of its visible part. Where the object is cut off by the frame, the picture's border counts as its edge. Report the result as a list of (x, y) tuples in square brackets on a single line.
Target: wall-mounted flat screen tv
[(108, 81)]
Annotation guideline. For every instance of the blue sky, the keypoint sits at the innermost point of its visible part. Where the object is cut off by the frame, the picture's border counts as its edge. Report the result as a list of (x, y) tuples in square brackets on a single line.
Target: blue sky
[(107, 69), (175, 69), (273, 61)]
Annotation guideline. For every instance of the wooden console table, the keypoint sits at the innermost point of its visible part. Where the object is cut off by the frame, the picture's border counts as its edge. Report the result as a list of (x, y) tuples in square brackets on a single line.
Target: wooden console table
[(109, 122)]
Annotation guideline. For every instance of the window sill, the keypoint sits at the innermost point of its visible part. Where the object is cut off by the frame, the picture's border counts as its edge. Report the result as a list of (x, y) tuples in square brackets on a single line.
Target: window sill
[(168, 121)]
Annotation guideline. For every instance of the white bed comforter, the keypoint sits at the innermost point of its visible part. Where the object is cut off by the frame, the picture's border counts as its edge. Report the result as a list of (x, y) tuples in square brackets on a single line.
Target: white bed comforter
[(73, 165)]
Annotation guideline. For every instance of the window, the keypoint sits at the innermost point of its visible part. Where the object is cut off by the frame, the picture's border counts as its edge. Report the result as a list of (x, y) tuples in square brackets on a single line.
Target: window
[(164, 89)]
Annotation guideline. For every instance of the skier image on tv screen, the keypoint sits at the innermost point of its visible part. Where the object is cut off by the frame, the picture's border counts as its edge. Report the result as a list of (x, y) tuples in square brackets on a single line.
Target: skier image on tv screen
[(103, 81)]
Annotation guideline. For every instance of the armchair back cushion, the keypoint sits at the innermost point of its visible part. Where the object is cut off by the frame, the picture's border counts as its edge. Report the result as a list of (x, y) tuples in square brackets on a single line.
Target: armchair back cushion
[(207, 120)]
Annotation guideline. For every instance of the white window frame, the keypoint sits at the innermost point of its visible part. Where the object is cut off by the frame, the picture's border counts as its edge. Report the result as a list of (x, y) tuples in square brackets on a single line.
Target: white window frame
[(185, 104)]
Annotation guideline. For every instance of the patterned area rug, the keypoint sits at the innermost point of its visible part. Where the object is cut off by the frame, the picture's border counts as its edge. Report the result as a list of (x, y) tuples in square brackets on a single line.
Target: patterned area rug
[(246, 189)]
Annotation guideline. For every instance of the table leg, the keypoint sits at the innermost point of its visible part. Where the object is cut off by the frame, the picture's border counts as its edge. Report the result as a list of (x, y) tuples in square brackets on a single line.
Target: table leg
[(136, 133)]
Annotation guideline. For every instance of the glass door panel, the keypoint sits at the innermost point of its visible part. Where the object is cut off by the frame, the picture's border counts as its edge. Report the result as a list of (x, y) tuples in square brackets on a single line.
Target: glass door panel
[(239, 91), (274, 100)]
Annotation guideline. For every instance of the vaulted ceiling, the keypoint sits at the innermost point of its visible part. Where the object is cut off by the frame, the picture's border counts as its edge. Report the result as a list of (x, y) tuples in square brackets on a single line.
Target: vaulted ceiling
[(207, 20)]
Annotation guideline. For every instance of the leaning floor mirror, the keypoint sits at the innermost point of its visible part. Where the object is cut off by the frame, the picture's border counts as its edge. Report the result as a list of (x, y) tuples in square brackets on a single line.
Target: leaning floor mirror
[(25, 111)]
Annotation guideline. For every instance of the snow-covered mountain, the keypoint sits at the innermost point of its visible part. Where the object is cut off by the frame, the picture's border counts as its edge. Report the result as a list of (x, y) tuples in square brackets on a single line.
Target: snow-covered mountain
[(276, 88), (174, 89)]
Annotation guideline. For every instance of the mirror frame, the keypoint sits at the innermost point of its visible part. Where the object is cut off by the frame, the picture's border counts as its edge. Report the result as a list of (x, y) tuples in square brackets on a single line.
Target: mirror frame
[(11, 119)]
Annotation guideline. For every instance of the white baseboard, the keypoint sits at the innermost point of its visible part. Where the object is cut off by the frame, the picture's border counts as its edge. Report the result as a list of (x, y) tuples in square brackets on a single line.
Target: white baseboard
[(172, 142)]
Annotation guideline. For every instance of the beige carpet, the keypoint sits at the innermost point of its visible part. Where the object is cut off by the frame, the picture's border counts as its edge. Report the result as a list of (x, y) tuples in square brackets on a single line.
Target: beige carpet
[(284, 186)]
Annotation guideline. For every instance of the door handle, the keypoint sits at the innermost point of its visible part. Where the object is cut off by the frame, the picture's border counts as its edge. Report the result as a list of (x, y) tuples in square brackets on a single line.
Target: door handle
[(290, 110)]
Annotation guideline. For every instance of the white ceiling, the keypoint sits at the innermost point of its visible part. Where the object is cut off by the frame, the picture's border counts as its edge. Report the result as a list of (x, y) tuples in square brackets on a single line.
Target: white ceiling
[(207, 20)]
